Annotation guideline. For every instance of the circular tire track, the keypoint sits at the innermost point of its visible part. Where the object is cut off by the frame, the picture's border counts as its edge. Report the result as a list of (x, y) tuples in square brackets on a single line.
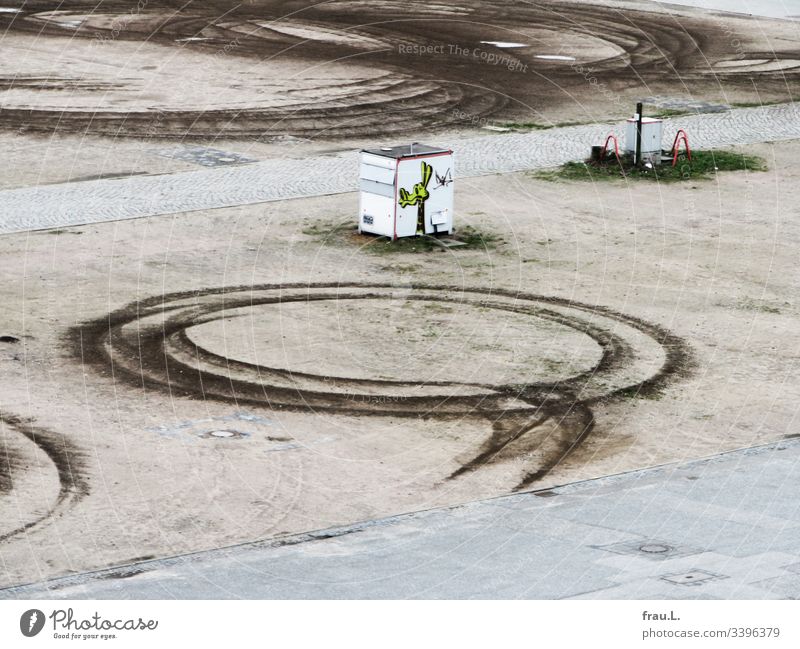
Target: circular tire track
[(146, 345), (415, 91)]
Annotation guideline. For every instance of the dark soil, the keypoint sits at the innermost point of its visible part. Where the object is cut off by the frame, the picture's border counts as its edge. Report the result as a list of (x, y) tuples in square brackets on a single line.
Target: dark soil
[(659, 53)]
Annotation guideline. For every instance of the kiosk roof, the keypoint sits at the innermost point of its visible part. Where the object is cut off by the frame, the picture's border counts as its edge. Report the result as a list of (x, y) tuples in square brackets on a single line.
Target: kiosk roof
[(406, 150)]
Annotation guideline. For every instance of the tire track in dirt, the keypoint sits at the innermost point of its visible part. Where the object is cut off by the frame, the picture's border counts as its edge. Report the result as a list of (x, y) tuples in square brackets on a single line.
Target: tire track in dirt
[(416, 91), (146, 345), (69, 466)]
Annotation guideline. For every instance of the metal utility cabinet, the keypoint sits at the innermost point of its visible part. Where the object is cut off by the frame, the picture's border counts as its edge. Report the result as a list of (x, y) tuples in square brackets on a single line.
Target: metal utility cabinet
[(406, 190), (651, 137)]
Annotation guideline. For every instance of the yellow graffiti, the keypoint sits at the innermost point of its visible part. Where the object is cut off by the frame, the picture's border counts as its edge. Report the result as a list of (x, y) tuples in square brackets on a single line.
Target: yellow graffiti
[(420, 194)]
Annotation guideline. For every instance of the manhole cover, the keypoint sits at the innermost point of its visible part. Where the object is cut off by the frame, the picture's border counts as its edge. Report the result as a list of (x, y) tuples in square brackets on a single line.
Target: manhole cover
[(654, 548), (695, 577), (224, 434)]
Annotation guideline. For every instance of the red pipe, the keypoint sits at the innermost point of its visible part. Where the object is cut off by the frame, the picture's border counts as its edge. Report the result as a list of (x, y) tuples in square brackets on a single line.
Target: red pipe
[(605, 148), (680, 135)]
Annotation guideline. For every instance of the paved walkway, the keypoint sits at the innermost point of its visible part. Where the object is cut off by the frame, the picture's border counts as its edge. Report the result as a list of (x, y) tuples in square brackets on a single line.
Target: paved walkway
[(720, 528), (96, 201)]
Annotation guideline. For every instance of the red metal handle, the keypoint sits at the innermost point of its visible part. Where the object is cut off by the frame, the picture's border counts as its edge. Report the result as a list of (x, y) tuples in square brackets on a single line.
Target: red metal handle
[(680, 135), (605, 148)]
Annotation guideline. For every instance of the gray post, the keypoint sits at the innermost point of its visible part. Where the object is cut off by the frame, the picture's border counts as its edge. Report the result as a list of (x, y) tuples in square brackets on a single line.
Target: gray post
[(638, 159)]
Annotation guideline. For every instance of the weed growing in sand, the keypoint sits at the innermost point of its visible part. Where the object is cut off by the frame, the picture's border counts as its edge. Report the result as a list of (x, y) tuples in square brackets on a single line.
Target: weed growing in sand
[(755, 305)]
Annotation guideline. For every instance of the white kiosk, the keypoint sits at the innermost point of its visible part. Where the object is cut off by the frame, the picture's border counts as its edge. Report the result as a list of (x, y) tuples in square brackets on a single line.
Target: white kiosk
[(652, 129), (406, 191)]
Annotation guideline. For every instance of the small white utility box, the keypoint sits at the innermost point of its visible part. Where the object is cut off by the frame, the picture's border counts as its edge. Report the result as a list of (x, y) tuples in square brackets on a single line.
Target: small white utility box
[(652, 130), (406, 190)]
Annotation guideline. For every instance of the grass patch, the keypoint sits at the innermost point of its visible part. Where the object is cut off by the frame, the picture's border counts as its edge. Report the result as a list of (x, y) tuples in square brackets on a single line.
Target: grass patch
[(470, 237), (637, 392), (759, 104), (703, 165), (536, 126), (401, 268), (346, 234), (666, 113), (755, 305), (527, 126)]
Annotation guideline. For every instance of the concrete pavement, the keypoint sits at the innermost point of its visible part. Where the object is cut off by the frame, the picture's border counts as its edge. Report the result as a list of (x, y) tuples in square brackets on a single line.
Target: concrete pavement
[(95, 201), (727, 527)]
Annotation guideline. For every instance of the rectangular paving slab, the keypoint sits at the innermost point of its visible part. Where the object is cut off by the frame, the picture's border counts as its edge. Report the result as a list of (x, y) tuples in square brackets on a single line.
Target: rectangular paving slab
[(520, 546)]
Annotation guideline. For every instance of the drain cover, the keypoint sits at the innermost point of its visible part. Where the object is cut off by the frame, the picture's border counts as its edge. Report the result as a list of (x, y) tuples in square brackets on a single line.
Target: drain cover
[(224, 434), (654, 549), (695, 577)]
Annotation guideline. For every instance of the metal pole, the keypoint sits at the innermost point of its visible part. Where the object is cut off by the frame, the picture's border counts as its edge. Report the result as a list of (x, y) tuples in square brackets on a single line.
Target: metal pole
[(638, 159)]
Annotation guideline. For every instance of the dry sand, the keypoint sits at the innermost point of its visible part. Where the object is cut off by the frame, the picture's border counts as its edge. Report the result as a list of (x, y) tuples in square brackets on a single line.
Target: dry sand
[(103, 471), (263, 71)]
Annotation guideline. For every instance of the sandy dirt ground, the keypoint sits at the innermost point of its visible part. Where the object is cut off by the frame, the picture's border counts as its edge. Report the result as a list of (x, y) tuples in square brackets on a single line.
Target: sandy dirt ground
[(112, 86), (181, 383)]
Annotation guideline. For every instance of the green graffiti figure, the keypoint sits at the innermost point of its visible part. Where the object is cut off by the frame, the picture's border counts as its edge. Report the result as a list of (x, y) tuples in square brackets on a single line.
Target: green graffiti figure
[(418, 197)]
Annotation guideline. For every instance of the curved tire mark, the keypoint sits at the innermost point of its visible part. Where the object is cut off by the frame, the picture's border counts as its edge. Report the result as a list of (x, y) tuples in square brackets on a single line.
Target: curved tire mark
[(68, 462), (145, 345)]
